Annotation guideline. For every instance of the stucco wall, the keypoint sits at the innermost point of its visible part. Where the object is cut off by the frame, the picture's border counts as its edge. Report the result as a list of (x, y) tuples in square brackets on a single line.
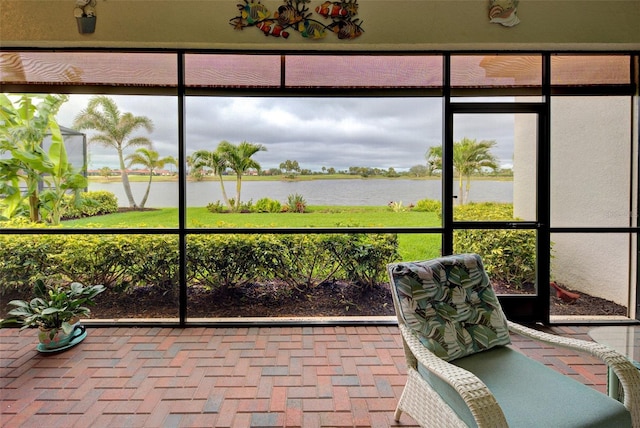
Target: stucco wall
[(388, 25), (591, 166)]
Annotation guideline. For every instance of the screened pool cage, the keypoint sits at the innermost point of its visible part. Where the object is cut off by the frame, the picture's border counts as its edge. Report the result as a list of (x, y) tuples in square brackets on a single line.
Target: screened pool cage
[(76, 144)]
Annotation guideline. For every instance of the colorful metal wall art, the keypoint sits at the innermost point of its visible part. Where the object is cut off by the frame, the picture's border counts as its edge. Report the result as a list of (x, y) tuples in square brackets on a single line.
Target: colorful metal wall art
[(338, 17)]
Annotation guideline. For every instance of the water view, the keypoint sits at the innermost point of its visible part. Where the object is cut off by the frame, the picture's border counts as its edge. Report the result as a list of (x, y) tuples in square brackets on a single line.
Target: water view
[(315, 192)]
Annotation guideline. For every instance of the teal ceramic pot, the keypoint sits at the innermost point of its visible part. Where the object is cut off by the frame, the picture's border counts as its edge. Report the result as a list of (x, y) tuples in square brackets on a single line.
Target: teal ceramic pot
[(59, 339)]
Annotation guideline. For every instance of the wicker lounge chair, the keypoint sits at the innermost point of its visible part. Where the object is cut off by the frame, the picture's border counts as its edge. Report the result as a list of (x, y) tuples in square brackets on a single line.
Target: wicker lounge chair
[(461, 371)]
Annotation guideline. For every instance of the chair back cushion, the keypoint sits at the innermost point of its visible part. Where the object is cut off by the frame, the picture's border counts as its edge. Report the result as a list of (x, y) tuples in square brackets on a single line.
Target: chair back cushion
[(450, 304)]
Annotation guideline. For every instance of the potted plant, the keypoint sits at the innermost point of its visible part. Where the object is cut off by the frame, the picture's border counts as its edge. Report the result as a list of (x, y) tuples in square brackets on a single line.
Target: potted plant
[(56, 311), (85, 14)]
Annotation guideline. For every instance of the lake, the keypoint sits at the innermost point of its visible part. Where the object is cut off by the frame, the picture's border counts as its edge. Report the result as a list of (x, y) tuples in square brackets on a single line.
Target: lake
[(315, 192)]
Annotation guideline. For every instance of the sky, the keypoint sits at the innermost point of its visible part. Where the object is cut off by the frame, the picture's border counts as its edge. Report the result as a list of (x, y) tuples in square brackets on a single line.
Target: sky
[(316, 132)]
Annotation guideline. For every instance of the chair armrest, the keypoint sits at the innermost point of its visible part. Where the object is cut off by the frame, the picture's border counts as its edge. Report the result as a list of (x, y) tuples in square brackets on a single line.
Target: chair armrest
[(472, 390), (624, 369)]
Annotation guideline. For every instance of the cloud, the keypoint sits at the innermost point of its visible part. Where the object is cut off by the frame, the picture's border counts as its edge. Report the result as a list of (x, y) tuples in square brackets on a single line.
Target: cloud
[(317, 132), (496, 127)]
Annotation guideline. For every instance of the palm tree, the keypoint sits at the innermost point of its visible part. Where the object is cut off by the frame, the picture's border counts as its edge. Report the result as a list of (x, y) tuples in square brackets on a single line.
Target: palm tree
[(151, 160), (238, 158), (216, 163), (469, 157), (114, 131), (290, 167)]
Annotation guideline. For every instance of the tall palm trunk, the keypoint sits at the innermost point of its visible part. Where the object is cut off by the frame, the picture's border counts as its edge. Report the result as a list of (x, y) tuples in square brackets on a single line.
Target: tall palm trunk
[(224, 192), (461, 198), (467, 188), (125, 181), (146, 193), (238, 188)]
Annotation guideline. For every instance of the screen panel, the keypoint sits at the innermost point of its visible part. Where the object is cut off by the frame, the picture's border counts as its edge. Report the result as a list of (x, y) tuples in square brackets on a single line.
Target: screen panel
[(89, 68)]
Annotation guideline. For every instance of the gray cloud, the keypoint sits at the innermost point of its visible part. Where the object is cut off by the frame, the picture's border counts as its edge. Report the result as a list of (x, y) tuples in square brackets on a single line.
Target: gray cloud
[(317, 132)]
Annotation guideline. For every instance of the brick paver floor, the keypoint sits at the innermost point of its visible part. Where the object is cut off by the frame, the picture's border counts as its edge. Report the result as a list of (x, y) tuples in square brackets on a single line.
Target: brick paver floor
[(315, 376)]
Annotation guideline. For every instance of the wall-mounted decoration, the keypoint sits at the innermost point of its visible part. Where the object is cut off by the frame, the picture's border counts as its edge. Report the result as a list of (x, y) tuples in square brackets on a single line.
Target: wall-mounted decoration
[(503, 12), (338, 17), (85, 13)]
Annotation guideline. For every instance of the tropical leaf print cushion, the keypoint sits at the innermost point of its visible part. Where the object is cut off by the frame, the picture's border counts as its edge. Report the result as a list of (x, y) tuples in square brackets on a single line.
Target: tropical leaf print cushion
[(449, 302)]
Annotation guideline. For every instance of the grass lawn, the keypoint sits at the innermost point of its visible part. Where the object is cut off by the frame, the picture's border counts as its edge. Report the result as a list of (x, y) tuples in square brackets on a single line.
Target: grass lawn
[(411, 246)]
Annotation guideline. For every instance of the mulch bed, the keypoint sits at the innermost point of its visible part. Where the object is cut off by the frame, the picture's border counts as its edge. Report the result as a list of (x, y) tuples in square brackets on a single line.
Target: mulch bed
[(251, 300), (278, 300), (585, 305)]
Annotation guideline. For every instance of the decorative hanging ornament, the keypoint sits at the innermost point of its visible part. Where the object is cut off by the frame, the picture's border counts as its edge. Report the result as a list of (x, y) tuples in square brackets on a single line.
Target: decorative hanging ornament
[(503, 12)]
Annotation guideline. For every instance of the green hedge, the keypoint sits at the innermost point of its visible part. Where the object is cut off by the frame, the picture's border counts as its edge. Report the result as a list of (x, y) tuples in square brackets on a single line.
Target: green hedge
[(429, 205), (222, 260), (93, 203), (266, 205), (126, 262), (508, 255)]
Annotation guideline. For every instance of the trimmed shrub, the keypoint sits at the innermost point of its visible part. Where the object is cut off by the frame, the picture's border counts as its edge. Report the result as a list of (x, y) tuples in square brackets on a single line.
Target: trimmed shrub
[(508, 255), (217, 207), (222, 260), (23, 259), (266, 205), (93, 203), (428, 205), (158, 264), (487, 211), (306, 260), (364, 257), (246, 207), (98, 259)]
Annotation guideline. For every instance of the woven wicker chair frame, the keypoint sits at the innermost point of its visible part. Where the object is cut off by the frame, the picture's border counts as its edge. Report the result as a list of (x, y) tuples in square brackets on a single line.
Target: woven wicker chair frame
[(420, 401)]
